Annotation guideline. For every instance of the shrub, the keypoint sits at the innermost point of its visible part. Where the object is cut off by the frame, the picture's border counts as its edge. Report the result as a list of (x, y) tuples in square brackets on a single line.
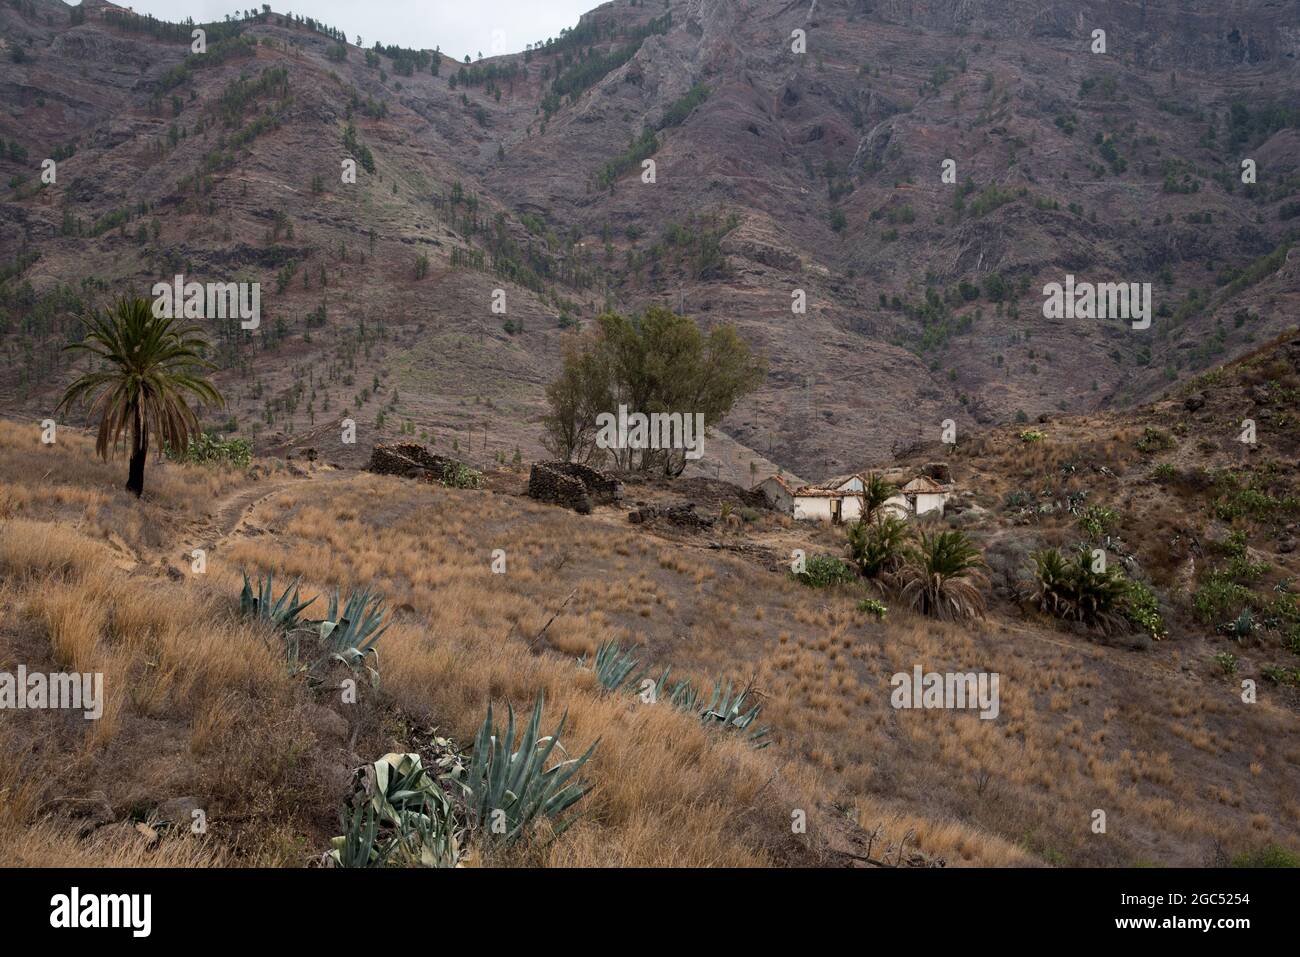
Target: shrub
[(1281, 676), (1155, 440), (1018, 499), (1219, 596), (1227, 662), (460, 475), (208, 448), (871, 606), (822, 571), (1032, 435), (1253, 503), (1270, 855), (1142, 608), (1097, 520)]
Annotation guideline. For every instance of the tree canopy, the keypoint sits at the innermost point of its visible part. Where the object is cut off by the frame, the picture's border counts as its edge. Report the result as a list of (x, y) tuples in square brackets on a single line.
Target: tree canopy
[(655, 362)]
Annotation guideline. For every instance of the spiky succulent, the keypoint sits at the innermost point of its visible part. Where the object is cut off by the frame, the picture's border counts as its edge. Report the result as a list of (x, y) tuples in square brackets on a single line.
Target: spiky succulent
[(616, 668), (262, 603), (723, 710), (400, 816), (731, 712), (349, 636), (508, 791)]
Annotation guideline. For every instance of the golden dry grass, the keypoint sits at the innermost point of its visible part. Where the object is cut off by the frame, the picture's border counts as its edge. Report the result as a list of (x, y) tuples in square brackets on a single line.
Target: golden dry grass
[(198, 703)]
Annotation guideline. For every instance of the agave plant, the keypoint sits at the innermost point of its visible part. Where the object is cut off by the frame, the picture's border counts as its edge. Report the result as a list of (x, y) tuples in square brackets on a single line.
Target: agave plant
[(400, 816), (1239, 628), (359, 844), (723, 710), (941, 577), (507, 791), (731, 713), (350, 636), (262, 603), (616, 668)]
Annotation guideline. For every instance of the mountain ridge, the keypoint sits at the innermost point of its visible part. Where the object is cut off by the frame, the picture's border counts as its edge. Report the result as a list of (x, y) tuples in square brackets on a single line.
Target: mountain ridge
[(922, 302)]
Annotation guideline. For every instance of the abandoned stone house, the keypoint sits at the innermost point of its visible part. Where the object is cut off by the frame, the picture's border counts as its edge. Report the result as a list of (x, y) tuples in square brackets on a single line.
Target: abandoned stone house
[(839, 499), (575, 486)]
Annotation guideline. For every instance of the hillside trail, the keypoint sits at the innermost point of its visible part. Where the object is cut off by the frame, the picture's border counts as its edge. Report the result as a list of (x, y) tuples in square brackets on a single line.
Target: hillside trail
[(229, 516)]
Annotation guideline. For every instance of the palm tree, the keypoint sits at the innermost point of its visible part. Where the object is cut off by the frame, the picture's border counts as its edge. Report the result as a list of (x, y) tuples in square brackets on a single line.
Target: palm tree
[(942, 578), (878, 547), (150, 365), (875, 493), (1075, 591)]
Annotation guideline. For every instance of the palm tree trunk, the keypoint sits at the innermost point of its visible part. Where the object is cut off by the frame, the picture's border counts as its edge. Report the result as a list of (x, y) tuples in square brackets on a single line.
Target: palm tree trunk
[(139, 450)]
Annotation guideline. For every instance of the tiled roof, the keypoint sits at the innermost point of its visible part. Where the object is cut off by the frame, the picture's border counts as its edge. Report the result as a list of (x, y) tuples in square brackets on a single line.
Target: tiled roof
[(922, 485), (779, 481), (833, 484)]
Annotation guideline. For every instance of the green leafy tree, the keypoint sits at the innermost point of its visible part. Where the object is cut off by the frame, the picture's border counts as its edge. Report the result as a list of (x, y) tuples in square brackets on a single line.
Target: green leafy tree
[(149, 369), (655, 362)]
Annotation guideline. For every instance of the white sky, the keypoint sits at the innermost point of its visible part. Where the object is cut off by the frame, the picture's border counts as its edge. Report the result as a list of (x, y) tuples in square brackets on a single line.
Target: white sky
[(459, 27)]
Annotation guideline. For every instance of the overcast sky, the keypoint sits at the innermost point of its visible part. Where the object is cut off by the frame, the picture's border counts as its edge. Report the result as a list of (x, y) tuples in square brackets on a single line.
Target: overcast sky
[(457, 26)]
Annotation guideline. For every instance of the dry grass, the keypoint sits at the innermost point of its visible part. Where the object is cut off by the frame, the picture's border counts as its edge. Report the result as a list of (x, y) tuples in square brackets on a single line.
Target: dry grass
[(199, 703)]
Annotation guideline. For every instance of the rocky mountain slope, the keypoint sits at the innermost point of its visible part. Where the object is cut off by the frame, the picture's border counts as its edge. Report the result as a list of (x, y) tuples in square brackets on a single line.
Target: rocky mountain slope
[(774, 172)]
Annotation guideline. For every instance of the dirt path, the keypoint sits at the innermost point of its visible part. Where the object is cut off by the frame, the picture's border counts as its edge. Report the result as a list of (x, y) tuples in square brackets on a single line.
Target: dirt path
[(230, 515)]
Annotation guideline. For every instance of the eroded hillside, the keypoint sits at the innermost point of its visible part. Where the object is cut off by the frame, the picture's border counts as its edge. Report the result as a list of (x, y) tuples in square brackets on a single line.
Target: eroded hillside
[(775, 171)]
